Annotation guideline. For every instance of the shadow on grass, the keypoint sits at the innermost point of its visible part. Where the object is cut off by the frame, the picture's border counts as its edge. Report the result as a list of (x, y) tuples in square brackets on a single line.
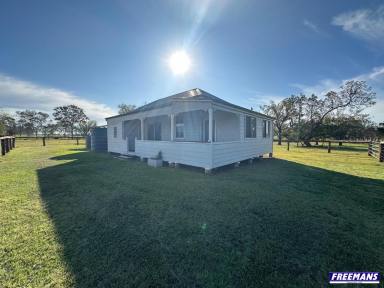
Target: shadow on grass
[(274, 223)]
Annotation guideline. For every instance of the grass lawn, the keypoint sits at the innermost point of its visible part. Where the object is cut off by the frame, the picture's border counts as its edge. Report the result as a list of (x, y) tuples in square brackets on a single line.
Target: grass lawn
[(71, 218)]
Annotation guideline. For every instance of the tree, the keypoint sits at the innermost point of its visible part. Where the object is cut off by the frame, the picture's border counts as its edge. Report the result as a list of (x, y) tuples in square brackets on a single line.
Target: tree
[(41, 120), (349, 127), (352, 97), (7, 124), (86, 126), (125, 108), (282, 112), (68, 116), (49, 129), (380, 130), (28, 120), (31, 121)]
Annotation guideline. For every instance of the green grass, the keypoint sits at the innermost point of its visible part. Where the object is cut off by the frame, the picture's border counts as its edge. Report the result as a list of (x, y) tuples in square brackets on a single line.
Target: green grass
[(70, 218)]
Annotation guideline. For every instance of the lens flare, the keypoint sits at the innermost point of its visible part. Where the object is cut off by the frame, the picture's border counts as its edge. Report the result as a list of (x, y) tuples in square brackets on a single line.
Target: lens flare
[(179, 62)]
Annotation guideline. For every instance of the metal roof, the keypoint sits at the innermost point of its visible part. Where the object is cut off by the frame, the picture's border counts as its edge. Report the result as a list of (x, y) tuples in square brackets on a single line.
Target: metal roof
[(189, 95)]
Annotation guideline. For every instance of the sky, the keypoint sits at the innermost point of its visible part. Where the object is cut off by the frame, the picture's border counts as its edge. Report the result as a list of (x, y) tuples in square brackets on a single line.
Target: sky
[(98, 54)]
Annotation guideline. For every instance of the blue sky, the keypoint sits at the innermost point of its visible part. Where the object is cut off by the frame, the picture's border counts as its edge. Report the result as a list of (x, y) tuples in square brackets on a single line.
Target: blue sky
[(98, 54)]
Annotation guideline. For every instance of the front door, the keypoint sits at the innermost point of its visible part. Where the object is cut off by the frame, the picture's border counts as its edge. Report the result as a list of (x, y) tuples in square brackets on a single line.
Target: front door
[(131, 144), (132, 135)]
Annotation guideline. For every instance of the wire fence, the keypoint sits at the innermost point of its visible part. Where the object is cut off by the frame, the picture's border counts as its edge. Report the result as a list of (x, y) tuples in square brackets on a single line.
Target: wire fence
[(49, 141)]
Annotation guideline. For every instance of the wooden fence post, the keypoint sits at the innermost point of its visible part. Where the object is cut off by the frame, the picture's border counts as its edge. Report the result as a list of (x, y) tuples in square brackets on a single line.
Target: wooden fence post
[(329, 146), (77, 140), (288, 146), (381, 149), (43, 141), (6, 145), (14, 142), (10, 143), (3, 146)]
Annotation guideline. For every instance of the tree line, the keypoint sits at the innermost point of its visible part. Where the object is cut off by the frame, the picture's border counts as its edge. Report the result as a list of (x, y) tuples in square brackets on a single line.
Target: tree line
[(337, 115), (66, 120)]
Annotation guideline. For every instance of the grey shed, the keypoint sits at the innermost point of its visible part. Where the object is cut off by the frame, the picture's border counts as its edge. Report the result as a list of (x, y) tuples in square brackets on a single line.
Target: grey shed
[(99, 140)]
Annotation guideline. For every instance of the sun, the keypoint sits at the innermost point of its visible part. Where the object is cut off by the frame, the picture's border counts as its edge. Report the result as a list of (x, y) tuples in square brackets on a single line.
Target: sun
[(179, 62)]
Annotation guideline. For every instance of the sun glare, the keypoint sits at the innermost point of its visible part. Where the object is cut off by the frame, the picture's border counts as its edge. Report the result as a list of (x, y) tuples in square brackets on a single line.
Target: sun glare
[(179, 62)]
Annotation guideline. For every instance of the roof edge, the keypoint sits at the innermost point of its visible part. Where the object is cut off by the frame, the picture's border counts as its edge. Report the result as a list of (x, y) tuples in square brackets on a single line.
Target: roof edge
[(215, 100)]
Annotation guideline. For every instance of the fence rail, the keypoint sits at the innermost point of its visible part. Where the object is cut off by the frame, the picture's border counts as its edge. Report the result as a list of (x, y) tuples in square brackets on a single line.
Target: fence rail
[(326, 141), (49, 137), (7, 144), (376, 150)]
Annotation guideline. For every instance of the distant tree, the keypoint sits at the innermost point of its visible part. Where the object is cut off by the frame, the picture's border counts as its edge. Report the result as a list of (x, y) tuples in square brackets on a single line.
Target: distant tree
[(282, 112), (349, 127), (68, 116), (31, 121), (380, 130), (295, 122), (41, 120), (49, 129), (86, 126), (7, 124), (62, 130), (28, 121), (125, 108), (352, 97)]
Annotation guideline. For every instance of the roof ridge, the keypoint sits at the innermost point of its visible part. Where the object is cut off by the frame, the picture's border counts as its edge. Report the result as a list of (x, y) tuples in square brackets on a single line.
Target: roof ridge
[(188, 95)]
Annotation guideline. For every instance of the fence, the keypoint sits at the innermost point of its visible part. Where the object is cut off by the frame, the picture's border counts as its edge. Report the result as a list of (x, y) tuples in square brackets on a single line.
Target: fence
[(376, 150), (327, 143), (7, 144), (47, 141)]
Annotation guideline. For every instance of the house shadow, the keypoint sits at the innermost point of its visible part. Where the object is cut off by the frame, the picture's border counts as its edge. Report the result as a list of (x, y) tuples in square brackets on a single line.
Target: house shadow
[(123, 224)]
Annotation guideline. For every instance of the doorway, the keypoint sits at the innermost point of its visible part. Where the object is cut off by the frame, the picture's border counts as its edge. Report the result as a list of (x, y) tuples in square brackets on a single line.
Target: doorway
[(132, 131)]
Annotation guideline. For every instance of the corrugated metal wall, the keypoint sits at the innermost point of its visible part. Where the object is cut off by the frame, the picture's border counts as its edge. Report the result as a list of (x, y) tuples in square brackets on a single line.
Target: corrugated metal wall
[(99, 139)]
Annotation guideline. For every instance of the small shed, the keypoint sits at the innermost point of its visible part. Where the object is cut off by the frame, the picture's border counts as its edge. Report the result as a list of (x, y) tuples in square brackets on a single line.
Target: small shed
[(99, 139), (88, 141)]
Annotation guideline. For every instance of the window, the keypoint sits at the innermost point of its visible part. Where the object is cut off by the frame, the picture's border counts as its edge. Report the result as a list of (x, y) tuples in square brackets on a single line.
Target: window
[(269, 129), (154, 131), (114, 132), (250, 127), (266, 128), (179, 126)]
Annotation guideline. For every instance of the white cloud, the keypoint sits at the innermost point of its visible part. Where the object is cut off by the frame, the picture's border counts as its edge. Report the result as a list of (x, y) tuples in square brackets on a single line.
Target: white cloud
[(320, 88), (312, 26), (374, 78), (367, 24), (17, 94), (255, 99)]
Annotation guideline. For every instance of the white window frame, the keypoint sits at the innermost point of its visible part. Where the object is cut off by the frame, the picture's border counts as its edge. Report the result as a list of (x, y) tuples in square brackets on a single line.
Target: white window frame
[(266, 129), (252, 119)]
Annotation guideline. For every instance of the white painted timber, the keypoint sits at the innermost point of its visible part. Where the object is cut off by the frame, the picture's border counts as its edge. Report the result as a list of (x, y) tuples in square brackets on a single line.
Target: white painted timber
[(231, 147), (189, 153)]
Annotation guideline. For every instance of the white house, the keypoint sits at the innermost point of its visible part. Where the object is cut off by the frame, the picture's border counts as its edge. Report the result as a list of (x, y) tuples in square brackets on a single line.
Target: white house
[(192, 128)]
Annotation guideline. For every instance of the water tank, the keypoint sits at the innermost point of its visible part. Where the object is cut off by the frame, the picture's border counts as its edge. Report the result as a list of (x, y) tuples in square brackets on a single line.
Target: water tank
[(88, 141), (99, 140)]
